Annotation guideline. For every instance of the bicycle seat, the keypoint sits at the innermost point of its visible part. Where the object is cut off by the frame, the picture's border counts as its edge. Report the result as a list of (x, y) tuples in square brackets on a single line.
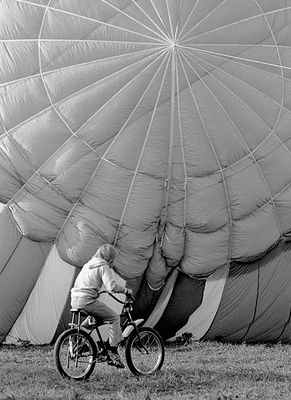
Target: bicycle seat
[(84, 313), (79, 310)]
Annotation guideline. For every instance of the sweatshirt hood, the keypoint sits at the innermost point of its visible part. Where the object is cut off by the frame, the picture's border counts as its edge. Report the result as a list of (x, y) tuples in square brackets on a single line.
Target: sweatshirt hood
[(97, 262)]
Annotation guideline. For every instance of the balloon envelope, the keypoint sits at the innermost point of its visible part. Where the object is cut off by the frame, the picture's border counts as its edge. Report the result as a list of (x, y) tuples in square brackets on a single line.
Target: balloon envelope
[(163, 127)]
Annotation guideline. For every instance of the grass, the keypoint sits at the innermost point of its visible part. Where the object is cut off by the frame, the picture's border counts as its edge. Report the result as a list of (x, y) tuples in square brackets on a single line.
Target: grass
[(211, 370)]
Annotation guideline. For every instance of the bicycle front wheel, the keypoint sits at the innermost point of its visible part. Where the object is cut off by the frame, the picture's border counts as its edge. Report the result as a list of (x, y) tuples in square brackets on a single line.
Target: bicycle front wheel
[(144, 352), (75, 354)]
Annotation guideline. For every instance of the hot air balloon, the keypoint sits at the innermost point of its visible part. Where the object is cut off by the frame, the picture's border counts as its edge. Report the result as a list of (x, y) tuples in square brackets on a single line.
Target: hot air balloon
[(162, 127)]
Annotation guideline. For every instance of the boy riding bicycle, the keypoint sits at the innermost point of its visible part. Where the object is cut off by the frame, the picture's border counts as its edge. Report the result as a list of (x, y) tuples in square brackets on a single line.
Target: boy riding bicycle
[(95, 273)]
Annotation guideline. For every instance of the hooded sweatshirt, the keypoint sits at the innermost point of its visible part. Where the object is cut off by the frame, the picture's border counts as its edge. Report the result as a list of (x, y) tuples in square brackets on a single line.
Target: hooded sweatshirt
[(95, 273)]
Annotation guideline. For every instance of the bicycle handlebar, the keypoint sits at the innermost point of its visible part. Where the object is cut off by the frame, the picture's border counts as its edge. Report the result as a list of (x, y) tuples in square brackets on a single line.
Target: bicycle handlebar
[(116, 299)]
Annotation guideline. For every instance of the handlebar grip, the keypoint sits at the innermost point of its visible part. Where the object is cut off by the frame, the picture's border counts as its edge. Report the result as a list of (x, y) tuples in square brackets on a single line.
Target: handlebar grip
[(130, 296)]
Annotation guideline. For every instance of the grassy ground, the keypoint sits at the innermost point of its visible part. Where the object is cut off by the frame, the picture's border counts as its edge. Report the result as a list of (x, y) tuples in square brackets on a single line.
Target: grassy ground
[(191, 371)]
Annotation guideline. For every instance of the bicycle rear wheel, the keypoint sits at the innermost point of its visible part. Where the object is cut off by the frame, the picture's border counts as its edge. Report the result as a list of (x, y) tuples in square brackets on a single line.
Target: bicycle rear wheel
[(75, 354), (145, 352)]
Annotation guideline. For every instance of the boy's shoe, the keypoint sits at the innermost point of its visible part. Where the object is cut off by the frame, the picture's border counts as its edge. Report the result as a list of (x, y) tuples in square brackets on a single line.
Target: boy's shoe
[(101, 356), (114, 360)]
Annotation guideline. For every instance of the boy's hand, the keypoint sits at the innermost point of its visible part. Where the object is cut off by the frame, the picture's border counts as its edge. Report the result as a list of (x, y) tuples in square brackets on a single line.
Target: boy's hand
[(128, 292)]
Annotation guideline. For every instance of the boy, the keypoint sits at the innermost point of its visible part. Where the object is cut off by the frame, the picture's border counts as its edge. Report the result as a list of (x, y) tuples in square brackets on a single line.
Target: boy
[(95, 273)]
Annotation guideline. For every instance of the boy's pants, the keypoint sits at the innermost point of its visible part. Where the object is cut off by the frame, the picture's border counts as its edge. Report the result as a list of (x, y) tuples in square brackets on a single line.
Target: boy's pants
[(100, 310)]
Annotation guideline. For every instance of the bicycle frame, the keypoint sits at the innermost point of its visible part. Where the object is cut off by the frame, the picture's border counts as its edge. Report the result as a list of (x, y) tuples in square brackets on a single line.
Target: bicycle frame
[(79, 327), (127, 327)]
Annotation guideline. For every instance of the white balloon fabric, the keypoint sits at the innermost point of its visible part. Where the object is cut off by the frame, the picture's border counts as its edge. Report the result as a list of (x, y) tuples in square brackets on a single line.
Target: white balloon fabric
[(162, 127)]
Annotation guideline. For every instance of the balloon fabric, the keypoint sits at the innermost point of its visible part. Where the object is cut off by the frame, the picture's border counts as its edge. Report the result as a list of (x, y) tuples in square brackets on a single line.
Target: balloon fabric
[(159, 126)]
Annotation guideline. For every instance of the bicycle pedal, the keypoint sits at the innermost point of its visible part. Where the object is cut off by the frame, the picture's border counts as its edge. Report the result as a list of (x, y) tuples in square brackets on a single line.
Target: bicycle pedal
[(101, 358), (116, 364)]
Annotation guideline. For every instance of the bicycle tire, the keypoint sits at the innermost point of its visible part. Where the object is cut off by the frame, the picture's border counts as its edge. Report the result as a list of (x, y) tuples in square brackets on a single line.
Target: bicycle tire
[(139, 362), (63, 352)]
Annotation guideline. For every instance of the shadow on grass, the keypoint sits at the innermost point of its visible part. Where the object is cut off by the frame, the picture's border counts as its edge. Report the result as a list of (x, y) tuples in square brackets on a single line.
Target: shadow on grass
[(183, 380)]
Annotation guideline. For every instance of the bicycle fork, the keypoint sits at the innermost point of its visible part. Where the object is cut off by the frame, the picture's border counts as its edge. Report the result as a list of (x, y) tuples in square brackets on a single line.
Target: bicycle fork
[(133, 325)]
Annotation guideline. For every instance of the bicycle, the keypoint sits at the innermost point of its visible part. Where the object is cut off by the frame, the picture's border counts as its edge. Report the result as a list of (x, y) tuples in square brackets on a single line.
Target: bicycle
[(76, 353)]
